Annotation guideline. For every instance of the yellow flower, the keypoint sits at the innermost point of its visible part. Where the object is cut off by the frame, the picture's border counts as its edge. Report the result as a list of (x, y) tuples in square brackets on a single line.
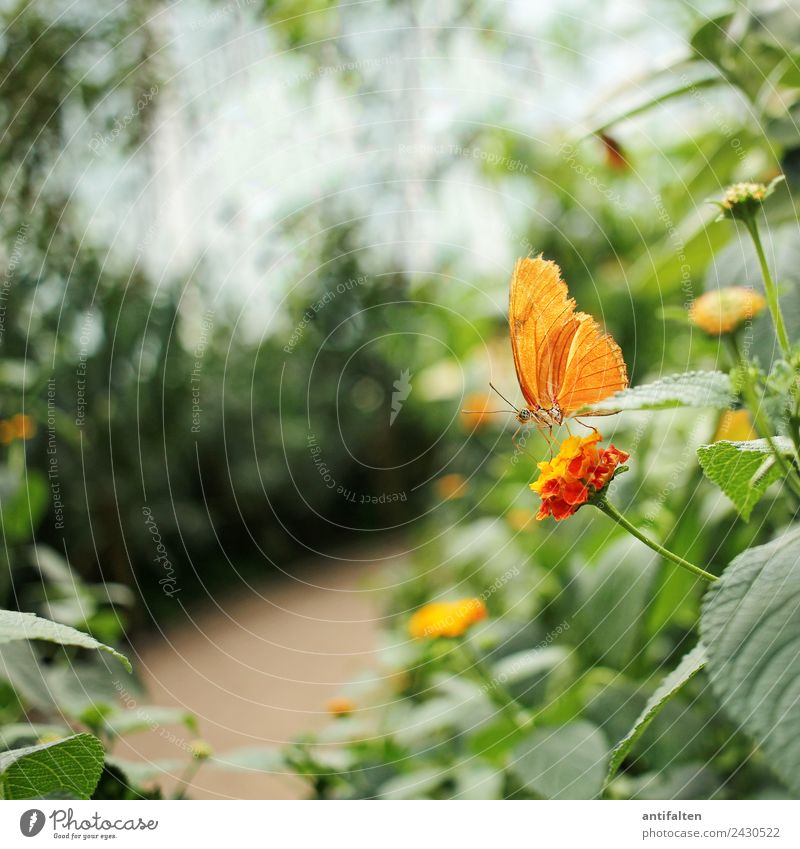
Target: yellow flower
[(340, 706), (735, 426), (19, 426), (24, 426), (446, 618), (579, 469), (723, 310), (518, 518), (476, 410), (451, 487)]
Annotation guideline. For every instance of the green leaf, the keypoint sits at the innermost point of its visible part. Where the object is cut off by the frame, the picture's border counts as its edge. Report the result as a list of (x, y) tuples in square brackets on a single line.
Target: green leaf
[(565, 762), (645, 92), (743, 470), (22, 510), (68, 767), (15, 733), (693, 389), (29, 626), (689, 666), (413, 785), (145, 717), (253, 758), (710, 39), (476, 780), (750, 626), (684, 781), (137, 772), (524, 665), (611, 600)]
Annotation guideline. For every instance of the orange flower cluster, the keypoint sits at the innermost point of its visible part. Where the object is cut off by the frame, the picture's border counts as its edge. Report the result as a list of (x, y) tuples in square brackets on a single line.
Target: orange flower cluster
[(579, 469), (446, 618), (18, 426)]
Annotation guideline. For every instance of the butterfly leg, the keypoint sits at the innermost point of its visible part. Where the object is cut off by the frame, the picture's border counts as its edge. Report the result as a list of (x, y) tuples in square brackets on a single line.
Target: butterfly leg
[(519, 442), (591, 427)]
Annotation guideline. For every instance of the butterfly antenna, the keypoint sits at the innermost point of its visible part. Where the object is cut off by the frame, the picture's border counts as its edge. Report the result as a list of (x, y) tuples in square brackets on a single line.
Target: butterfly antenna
[(516, 410), (485, 412)]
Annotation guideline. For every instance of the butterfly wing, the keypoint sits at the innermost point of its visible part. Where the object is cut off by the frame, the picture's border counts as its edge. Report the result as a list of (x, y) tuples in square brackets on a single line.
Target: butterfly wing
[(543, 324), (595, 368)]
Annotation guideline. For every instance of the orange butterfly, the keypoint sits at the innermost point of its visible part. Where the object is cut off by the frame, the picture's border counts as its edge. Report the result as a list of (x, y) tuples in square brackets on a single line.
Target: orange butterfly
[(563, 359)]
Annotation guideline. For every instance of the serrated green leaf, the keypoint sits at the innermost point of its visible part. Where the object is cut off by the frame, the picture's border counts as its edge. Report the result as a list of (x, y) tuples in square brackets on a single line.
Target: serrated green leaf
[(566, 762), (743, 470), (689, 666), (28, 626), (750, 626), (693, 389), (69, 767)]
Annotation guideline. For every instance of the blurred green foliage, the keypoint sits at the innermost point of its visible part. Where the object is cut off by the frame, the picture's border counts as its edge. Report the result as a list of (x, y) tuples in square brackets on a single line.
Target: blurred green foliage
[(101, 353)]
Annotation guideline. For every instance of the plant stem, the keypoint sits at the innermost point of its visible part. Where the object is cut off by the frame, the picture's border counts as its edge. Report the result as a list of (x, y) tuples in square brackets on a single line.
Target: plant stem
[(769, 286), (763, 427), (186, 779), (614, 514), (495, 690)]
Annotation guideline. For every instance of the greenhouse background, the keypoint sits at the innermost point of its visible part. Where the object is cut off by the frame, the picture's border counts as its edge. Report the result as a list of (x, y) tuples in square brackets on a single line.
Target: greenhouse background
[(256, 264)]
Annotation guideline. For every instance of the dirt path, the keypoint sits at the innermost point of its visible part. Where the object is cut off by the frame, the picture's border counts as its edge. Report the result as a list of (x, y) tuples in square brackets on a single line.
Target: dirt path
[(259, 669)]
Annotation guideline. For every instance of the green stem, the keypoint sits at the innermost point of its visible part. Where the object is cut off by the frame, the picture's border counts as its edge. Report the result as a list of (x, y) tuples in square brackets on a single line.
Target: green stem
[(769, 286), (187, 778), (495, 690), (763, 427), (614, 514)]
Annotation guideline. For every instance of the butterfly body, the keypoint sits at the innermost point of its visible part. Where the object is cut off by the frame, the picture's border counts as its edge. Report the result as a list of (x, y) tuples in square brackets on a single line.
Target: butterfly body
[(546, 418), (564, 361)]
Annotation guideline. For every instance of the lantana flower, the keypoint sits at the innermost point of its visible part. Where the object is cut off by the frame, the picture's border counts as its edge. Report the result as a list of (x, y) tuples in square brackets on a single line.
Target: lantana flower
[(446, 618), (578, 471), (723, 310), (742, 200)]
